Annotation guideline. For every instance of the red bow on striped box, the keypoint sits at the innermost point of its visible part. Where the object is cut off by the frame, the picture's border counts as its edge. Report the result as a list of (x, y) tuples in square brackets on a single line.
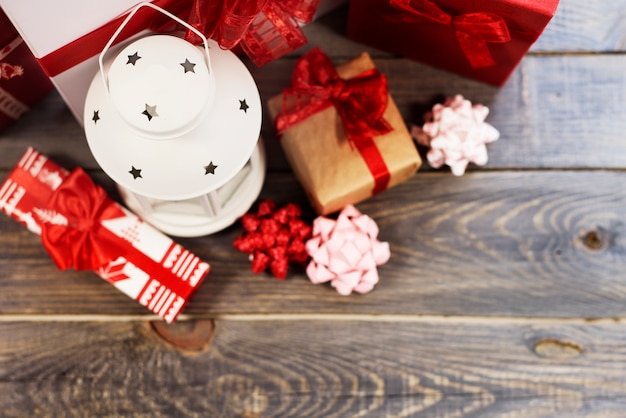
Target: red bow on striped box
[(82, 228)]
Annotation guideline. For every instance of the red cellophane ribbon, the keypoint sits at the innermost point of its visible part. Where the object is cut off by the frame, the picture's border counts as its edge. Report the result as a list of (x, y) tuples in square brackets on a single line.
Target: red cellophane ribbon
[(473, 30), (360, 102), (265, 29), (72, 234), (274, 237)]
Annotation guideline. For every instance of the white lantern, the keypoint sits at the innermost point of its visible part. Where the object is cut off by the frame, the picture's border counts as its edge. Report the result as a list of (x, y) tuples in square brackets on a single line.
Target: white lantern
[(177, 127)]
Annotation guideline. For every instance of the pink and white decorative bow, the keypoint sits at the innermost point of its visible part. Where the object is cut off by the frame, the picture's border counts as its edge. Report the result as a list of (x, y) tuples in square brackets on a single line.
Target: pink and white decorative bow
[(456, 133), (346, 251)]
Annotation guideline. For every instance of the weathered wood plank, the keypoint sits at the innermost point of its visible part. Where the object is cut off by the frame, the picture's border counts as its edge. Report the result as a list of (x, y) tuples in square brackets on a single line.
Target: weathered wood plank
[(549, 115), (582, 26), (513, 243), (311, 368)]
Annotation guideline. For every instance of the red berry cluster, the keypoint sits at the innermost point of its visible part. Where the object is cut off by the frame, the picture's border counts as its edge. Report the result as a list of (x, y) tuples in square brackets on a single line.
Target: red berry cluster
[(274, 237)]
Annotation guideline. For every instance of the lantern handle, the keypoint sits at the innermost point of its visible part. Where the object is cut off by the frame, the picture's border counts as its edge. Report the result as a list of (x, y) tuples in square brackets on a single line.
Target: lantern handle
[(166, 13)]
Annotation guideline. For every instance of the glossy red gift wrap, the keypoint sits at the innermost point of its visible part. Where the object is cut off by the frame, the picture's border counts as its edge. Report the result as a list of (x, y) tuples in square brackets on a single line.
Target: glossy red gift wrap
[(484, 40), (23, 82), (82, 228)]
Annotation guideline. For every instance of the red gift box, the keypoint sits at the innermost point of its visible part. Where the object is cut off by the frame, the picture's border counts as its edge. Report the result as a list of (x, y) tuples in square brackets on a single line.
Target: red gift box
[(22, 81), (484, 41), (82, 228)]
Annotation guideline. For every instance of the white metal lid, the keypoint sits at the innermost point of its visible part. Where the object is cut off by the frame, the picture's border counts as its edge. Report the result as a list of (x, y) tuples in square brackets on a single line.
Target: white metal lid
[(162, 136), (169, 83)]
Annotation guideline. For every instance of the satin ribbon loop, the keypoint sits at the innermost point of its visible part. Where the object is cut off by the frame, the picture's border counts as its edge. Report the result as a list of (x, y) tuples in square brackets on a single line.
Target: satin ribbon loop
[(473, 30), (487, 26), (71, 230)]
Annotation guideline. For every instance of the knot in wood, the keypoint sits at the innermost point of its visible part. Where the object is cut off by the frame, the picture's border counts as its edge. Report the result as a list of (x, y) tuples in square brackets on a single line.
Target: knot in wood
[(594, 240), (194, 335), (557, 349)]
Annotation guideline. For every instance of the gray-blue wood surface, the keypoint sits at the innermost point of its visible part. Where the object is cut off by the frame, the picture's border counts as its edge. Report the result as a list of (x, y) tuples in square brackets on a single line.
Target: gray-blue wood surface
[(505, 295)]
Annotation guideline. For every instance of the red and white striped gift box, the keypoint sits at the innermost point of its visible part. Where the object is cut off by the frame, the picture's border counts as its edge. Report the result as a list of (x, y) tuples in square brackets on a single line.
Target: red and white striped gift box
[(142, 262)]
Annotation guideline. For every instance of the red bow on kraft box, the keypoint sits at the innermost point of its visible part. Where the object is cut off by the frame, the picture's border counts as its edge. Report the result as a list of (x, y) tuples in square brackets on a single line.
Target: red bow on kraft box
[(341, 131), (22, 81), (81, 227), (484, 41)]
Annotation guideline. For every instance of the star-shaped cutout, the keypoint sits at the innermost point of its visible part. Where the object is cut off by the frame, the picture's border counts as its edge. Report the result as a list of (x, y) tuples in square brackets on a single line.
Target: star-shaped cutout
[(209, 169), (243, 105), (96, 116), (136, 172), (132, 59), (188, 66), (150, 112)]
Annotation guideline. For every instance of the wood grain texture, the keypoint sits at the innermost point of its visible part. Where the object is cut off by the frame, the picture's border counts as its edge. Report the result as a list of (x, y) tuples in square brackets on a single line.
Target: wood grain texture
[(315, 369), (505, 295), (509, 243), (580, 26)]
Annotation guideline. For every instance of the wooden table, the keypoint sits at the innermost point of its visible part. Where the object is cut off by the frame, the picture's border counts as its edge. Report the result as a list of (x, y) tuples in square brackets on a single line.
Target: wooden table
[(505, 294)]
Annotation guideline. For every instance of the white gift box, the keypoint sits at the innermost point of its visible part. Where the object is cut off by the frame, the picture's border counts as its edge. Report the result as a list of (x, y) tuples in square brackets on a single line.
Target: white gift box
[(67, 37), (55, 26)]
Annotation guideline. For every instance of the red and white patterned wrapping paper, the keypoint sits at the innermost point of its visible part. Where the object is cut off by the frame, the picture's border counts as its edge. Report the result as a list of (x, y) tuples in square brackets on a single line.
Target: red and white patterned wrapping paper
[(179, 272)]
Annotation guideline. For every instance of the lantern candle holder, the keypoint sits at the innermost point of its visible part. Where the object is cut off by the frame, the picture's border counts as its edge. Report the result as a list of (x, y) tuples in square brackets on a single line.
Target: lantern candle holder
[(177, 127)]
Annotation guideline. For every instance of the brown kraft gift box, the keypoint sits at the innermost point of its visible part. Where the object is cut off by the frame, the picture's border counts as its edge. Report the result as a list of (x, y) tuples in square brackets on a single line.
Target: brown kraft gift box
[(332, 172)]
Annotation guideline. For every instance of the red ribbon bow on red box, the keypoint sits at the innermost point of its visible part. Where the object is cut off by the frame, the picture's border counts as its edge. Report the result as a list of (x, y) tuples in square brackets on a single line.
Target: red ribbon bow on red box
[(473, 30), (360, 102)]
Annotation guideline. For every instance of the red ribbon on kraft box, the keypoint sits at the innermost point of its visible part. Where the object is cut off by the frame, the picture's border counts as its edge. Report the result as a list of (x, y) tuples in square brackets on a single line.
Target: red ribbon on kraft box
[(82, 228), (360, 102)]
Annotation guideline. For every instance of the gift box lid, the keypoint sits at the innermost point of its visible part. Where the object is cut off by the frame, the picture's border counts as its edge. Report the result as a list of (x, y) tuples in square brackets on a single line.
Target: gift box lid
[(479, 40), (56, 23)]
